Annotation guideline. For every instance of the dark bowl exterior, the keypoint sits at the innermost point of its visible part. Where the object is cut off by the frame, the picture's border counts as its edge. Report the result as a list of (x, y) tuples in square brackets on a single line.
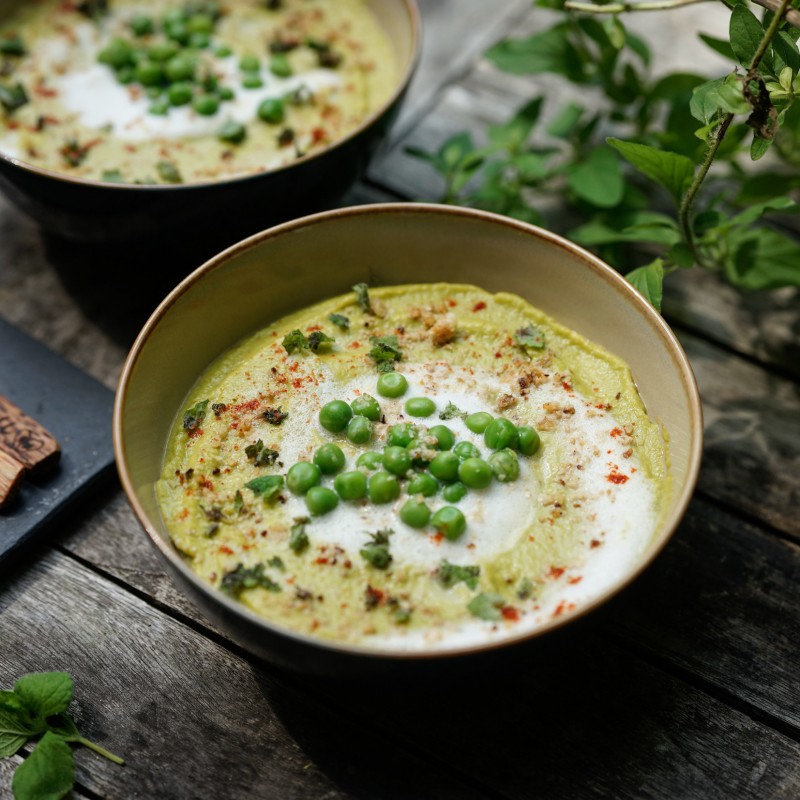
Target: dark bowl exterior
[(226, 210)]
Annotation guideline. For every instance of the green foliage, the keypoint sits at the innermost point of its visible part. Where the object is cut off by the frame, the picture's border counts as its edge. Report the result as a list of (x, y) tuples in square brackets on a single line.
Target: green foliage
[(675, 129), (37, 708)]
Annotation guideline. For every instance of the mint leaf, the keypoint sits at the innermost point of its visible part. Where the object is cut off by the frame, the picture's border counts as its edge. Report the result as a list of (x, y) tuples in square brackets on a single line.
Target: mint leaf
[(362, 297), (45, 693), (784, 205), (649, 281), (759, 147), (340, 321), (385, 352), (317, 340), (704, 105), (763, 259), (785, 53), (193, 418), (598, 179), (298, 540), (241, 578), (168, 172), (513, 134), (548, 51), (15, 730), (452, 411), (530, 336), (488, 606), (565, 122), (452, 574), (47, 774), (294, 342), (745, 33), (376, 552), (260, 455), (65, 727), (267, 486), (721, 46), (673, 171)]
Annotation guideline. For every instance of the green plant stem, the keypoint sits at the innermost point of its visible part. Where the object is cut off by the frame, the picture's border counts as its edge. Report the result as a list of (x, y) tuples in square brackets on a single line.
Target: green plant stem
[(100, 750), (774, 24), (791, 15), (619, 8)]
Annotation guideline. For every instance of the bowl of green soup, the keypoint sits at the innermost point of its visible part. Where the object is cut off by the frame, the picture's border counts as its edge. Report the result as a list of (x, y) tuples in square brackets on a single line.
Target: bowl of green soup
[(405, 432), (121, 119)]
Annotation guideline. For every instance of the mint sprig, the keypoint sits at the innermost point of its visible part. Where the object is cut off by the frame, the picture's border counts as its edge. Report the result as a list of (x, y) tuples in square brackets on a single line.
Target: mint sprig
[(36, 707)]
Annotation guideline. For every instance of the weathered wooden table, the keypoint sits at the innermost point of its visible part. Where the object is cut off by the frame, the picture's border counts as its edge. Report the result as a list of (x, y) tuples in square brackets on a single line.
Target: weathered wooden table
[(685, 686)]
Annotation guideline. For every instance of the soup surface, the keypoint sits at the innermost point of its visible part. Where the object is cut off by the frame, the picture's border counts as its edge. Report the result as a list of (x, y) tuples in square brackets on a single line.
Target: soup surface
[(426, 466), (154, 91)]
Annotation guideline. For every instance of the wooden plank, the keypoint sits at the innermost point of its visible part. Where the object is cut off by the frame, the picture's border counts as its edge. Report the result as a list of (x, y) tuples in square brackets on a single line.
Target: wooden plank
[(190, 718)]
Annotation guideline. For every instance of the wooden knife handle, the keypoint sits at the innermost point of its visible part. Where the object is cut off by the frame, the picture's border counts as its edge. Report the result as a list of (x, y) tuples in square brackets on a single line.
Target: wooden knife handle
[(12, 473), (25, 440)]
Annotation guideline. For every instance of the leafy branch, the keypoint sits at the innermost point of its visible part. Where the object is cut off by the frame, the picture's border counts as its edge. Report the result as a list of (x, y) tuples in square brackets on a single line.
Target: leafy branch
[(576, 161)]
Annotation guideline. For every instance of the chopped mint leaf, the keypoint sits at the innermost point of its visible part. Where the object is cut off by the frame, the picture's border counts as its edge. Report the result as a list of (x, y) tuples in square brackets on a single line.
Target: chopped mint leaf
[(340, 321), (376, 551), (241, 578), (193, 418), (274, 416), (385, 352), (294, 342), (260, 455), (488, 606), (362, 296), (112, 176), (238, 502), (529, 336), (318, 340), (452, 411), (168, 172), (298, 540), (525, 589), (276, 562), (451, 574), (267, 486)]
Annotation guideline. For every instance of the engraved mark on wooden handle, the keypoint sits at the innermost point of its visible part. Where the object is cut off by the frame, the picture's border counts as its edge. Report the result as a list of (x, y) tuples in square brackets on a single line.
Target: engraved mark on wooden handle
[(25, 440), (12, 473)]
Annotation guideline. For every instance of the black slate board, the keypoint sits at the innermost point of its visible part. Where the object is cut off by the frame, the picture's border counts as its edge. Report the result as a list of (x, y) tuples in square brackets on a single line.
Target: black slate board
[(75, 408)]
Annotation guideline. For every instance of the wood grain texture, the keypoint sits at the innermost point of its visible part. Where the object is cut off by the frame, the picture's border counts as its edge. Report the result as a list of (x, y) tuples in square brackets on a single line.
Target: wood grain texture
[(190, 718), (25, 440), (12, 473)]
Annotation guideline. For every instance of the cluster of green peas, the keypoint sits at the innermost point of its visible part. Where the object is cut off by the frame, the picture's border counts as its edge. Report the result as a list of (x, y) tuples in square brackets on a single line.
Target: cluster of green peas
[(457, 465), (169, 68)]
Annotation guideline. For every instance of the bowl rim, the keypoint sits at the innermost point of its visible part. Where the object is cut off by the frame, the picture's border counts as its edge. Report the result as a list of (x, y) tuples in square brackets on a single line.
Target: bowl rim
[(414, 17), (667, 527)]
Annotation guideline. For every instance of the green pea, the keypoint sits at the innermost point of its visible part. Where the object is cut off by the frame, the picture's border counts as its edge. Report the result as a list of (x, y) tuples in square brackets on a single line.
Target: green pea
[(423, 484), (173, 15), (528, 440), (160, 108), (205, 104), (501, 433), (415, 514), (475, 473), (180, 68), (420, 406), (505, 465), (359, 430), (370, 460), (445, 466), (180, 93), (351, 485), (401, 435), (454, 492), (178, 32), (321, 500), (383, 488), (366, 406), (335, 415), (199, 40), (272, 110), (279, 66), (223, 51), (117, 53), (396, 460), (479, 421), (141, 25), (225, 93), (200, 23), (329, 458), (149, 73), (249, 63), (449, 521), (392, 384), (445, 438), (162, 51), (252, 80), (232, 131), (302, 476), (465, 450)]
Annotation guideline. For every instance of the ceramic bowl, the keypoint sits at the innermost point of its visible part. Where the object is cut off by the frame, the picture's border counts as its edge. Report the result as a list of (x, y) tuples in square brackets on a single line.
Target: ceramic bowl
[(307, 260), (94, 211)]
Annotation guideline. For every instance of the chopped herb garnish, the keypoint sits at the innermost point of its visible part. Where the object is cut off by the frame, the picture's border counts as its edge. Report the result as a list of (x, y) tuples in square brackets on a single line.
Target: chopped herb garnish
[(241, 578), (267, 486), (168, 172), (385, 352), (12, 45), (193, 418), (212, 530), (529, 336), (452, 411), (94, 9), (13, 97), (401, 614), (525, 589), (112, 176), (213, 514), (488, 606), (260, 455), (298, 540), (318, 340), (74, 152), (362, 296), (218, 408), (340, 321), (274, 416), (238, 502), (451, 574), (285, 137), (276, 562), (294, 342), (376, 552)]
